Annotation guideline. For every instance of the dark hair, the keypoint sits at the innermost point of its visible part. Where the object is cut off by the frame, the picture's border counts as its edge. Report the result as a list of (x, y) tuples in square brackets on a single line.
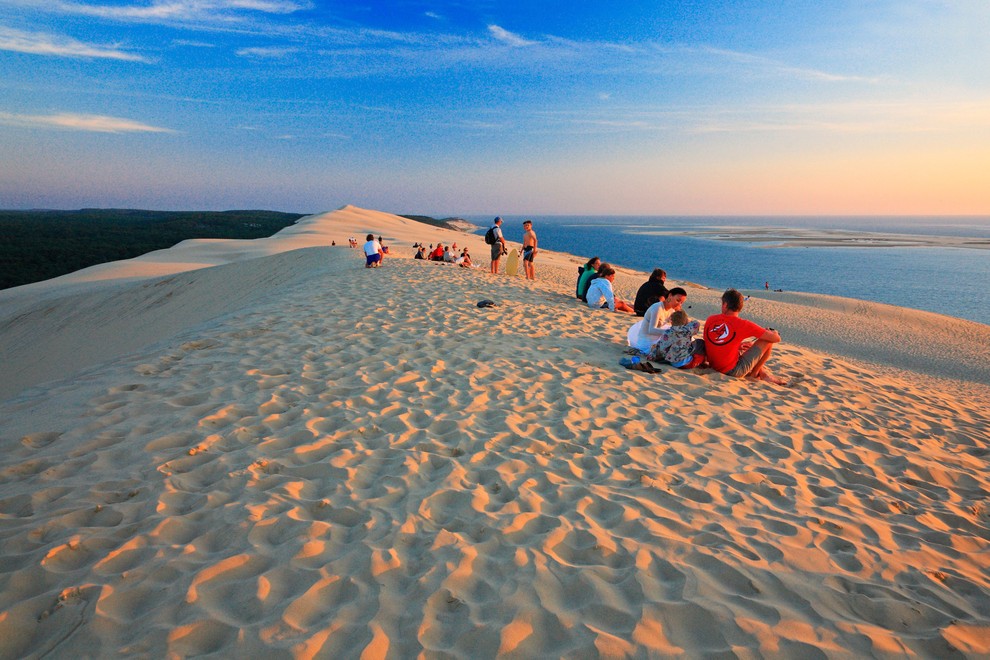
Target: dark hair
[(602, 266), (677, 291), (733, 300), (371, 237), (605, 271), (658, 275), (591, 261)]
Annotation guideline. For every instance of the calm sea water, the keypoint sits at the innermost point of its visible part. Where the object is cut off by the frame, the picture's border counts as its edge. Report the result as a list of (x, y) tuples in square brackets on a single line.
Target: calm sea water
[(952, 281)]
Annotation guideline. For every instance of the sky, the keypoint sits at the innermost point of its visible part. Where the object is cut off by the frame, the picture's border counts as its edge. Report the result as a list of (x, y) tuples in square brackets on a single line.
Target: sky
[(720, 107)]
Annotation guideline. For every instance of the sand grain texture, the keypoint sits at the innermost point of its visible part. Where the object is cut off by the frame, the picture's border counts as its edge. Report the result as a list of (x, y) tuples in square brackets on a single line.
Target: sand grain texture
[(338, 462)]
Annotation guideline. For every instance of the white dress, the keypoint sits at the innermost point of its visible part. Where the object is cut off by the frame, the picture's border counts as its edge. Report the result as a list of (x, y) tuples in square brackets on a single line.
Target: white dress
[(645, 332)]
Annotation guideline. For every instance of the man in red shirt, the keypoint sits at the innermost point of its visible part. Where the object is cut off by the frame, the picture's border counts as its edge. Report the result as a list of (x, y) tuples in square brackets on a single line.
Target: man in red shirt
[(724, 335)]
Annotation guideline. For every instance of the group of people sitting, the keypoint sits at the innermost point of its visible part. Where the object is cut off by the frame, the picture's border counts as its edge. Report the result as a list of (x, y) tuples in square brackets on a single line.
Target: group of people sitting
[(729, 344), (446, 254)]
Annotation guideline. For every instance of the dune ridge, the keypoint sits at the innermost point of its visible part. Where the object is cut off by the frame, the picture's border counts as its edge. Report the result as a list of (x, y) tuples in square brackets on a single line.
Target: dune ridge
[(300, 457)]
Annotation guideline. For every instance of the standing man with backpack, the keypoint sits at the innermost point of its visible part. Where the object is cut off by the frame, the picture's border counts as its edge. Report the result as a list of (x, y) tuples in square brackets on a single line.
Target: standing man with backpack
[(493, 237)]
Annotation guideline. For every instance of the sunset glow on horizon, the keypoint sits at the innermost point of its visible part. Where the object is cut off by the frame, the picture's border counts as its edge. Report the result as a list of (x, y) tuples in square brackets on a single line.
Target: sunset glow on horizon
[(691, 108)]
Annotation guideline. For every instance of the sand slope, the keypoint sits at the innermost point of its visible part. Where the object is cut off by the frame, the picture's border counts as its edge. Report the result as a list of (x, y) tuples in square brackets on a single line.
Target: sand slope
[(330, 461)]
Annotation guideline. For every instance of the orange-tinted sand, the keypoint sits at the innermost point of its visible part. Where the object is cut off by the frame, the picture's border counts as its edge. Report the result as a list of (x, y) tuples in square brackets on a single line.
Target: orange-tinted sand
[(289, 454)]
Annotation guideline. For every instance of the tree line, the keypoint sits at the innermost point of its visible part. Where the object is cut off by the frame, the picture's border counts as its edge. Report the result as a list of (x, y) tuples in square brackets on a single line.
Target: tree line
[(40, 245)]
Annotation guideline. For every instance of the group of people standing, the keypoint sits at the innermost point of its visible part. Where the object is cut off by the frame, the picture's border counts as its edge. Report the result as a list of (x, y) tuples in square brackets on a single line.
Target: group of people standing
[(496, 240), (729, 343)]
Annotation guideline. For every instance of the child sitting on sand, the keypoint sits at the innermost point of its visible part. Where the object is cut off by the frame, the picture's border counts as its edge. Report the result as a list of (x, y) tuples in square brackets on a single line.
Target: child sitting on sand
[(677, 345)]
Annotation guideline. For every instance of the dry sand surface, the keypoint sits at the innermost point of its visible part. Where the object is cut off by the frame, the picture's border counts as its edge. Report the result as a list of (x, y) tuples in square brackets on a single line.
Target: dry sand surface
[(287, 454)]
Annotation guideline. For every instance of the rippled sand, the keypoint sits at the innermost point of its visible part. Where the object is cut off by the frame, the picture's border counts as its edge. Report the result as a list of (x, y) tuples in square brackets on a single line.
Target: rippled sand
[(308, 458)]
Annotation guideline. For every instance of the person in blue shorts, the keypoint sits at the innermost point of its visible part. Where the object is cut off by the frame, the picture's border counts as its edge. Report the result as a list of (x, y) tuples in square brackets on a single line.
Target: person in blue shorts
[(373, 252)]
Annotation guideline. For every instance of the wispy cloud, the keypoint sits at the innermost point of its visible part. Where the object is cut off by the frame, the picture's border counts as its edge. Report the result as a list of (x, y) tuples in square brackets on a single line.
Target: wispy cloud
[(507, 37), (182, 10), (189, 43), (269, 53), (768, 65), (37, 43), (80, 122), (856, 117), (874, 118)]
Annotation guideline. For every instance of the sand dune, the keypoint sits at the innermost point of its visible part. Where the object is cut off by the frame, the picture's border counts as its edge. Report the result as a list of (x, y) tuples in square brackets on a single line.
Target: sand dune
[(288, 454)]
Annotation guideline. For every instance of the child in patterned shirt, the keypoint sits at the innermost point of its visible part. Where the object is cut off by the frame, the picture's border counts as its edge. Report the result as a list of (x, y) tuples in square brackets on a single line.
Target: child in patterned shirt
[(677, 345)]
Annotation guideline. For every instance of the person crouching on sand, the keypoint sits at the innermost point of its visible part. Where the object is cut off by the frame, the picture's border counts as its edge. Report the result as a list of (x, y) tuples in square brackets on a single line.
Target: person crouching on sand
[(373, 252), (724, 337), (601, 290)]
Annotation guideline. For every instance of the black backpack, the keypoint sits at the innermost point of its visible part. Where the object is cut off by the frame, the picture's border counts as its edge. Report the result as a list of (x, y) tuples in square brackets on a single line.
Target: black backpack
[(490, 236)]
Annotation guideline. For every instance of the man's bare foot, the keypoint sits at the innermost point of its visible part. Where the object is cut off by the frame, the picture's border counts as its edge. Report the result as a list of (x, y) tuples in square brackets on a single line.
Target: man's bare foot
[(768, 377)]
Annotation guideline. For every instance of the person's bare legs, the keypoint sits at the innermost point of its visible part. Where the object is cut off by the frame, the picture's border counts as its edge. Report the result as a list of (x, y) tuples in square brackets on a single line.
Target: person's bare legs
[(759, 370), (765, 348), (623, 306)]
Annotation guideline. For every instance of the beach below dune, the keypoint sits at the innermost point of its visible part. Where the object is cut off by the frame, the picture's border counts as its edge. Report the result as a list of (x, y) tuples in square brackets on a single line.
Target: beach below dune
[(355, 461)]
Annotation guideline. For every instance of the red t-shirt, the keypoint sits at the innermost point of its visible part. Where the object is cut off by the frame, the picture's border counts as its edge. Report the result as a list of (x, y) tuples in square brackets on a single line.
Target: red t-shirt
[(723, 335)]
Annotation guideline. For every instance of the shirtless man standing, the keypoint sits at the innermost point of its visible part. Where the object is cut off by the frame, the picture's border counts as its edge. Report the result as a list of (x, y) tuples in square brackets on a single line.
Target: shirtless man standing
[(529, 249)]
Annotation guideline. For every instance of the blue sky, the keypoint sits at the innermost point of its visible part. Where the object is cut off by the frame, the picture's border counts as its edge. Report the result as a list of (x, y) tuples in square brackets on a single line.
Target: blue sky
[(859, 107)]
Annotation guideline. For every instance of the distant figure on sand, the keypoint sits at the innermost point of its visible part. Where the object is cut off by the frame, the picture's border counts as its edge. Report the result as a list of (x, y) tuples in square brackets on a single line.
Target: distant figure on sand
[(373, 252), (529, 249), (601, 290), (643, 334), (498, 246), (677, 344), (651, 291), (724, 337), (585, 274)]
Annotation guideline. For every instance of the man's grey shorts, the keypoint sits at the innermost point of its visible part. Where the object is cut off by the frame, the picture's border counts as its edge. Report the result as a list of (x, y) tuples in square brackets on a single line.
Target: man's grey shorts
[(747, 361)]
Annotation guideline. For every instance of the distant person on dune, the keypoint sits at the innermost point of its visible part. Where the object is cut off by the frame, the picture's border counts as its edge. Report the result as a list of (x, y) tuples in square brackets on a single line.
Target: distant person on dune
[(724, 337)]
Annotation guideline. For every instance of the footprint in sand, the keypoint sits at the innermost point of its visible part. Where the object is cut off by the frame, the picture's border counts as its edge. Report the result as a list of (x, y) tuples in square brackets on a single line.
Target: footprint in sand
[(39, 440)]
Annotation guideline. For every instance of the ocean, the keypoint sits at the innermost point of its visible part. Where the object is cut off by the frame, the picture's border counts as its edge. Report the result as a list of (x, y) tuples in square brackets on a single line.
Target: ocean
[(952, 281)]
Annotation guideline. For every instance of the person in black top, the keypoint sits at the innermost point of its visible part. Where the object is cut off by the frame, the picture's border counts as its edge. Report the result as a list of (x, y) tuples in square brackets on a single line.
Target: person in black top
[(651, 291)]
